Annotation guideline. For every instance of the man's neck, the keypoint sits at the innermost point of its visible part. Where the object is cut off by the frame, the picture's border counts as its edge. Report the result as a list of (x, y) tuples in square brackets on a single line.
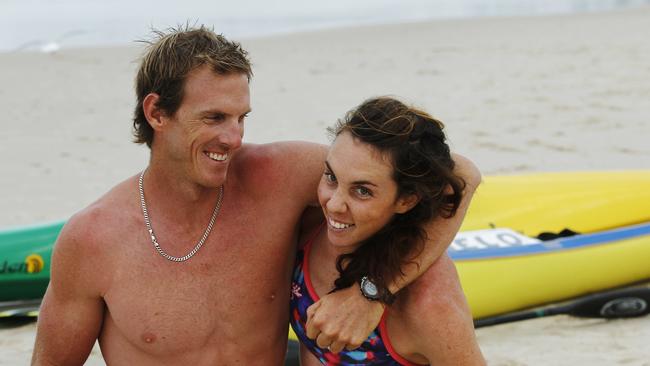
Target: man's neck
[(165, 189)]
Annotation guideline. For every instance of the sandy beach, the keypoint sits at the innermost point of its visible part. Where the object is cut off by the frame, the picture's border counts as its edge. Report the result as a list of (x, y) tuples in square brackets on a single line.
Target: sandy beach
[(525, 94)]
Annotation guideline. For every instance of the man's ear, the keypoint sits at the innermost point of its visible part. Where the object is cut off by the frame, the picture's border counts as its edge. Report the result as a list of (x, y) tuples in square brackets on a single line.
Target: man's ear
[(151, 111), (406, 202)]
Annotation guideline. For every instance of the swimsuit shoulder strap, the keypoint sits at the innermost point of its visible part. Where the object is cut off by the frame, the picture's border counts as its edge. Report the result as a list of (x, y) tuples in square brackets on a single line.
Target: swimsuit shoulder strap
[(311, 236)]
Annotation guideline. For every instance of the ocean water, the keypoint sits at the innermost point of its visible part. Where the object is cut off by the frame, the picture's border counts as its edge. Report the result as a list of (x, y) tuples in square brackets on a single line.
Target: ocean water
[(49, 25)]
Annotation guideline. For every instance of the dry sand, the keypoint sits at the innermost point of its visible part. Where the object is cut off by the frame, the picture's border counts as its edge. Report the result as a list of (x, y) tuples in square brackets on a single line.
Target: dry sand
[(517, 94)]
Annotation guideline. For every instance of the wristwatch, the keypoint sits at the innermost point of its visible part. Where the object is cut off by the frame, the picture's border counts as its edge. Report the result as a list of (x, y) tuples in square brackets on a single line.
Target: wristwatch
[(370, 291)]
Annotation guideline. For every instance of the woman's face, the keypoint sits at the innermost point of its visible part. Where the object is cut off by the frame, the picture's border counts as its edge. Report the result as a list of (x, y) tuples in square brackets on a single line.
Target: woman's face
[(357, 192)]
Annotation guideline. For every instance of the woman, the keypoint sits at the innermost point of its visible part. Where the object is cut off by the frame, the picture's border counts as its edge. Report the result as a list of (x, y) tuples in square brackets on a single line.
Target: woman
[(388, 172)]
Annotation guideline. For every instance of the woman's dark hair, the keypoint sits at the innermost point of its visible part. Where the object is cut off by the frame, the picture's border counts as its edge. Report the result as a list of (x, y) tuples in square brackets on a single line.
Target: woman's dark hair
[(415, 144)]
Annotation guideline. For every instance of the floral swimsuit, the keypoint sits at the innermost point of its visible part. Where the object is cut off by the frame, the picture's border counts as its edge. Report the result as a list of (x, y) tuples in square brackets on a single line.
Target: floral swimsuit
[(376, 350)]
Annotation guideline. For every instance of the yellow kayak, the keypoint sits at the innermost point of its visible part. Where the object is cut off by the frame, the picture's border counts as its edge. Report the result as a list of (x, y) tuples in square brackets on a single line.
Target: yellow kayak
[(609, 210)]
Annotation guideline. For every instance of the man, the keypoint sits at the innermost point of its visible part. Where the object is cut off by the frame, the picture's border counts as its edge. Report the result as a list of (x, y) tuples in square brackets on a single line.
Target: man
[(189, 262)]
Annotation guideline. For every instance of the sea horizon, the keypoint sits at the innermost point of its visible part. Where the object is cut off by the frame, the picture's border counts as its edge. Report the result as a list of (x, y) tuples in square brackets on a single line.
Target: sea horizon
[(47, 26)]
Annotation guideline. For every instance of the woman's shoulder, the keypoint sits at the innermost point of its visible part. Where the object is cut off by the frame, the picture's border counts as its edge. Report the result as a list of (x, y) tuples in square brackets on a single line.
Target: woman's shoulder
[(438, 288), (431, 299)]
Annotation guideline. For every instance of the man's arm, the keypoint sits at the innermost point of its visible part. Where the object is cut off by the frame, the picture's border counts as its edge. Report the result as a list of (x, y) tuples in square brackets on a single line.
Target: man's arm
[(345, 318), (71, 314), (441, 231)]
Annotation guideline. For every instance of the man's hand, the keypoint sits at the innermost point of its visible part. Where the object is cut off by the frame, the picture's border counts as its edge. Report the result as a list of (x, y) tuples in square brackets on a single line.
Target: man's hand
[(343, 319)]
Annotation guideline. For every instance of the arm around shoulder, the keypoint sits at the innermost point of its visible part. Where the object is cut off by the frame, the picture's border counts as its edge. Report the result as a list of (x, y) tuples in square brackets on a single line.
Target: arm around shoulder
[(304, 163), (442, 230), (72, 310), (467, 170)]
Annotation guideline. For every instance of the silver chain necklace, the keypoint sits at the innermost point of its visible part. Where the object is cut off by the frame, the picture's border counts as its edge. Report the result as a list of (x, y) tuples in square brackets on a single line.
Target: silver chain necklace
[(153, 237)]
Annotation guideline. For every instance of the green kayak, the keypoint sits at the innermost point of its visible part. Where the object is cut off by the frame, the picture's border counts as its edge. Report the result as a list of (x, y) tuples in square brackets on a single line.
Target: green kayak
[(25, 254)]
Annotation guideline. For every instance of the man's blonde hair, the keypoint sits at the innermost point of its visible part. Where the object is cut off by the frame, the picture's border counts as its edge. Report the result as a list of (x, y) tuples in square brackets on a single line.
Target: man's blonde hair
[(170, 57)]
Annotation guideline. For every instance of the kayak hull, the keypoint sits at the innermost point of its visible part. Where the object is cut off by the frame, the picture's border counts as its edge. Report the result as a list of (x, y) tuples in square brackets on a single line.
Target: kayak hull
[(25, 254), (499, 284)]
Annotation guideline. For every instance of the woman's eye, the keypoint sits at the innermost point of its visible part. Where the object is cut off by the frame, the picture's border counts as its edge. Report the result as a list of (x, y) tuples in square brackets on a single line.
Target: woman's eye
[(363, 192), (329, 177)]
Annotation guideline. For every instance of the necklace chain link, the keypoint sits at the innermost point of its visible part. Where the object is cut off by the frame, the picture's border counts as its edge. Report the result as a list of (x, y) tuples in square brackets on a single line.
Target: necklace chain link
[(154, 241)]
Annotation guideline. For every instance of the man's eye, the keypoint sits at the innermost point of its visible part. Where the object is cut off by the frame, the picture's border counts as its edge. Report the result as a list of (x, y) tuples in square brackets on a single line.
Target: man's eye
[(329, 177), (243, 117), (216, 118)]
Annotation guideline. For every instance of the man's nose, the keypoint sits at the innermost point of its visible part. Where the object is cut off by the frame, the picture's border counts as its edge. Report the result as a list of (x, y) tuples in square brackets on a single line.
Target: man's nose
[(232, 134)]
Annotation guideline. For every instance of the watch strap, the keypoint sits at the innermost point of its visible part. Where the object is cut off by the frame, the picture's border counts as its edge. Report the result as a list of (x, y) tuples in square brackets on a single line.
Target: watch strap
[(382, 295)]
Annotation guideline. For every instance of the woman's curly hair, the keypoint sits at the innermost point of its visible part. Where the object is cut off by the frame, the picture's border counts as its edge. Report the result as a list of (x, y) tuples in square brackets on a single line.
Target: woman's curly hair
[(416, 145)]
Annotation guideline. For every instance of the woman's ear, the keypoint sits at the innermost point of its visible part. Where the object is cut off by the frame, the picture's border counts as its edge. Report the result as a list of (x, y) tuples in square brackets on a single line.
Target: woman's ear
[(151, 111), (406, 202)]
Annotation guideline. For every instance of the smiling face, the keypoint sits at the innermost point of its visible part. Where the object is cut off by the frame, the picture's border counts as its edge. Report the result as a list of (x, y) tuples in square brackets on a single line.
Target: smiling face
[(199, 140), (357, 192)]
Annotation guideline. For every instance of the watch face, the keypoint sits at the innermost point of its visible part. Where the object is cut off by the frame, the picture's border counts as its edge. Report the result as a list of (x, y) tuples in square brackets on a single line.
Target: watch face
[(369, 288)]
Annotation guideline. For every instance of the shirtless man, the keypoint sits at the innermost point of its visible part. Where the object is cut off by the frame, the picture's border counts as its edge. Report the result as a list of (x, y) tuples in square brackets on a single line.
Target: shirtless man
[(168, 300)]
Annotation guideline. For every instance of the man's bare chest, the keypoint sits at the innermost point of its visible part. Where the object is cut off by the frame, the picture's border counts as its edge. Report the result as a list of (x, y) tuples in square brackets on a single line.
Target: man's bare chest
[(237, 283)]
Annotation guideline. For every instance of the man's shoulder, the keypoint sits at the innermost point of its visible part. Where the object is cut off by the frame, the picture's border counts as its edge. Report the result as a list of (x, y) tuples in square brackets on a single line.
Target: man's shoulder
[(91, 227), (114, 204), (280, 168), (281, 152), (280, 158)]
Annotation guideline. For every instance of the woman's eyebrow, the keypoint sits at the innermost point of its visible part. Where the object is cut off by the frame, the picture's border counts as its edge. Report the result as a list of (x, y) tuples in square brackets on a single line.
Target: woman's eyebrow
[(364, 182), (356, 182)]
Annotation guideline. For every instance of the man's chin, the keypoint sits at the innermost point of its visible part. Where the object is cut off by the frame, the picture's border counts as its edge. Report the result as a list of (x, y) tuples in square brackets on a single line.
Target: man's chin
[(211, 177), (210, 180)]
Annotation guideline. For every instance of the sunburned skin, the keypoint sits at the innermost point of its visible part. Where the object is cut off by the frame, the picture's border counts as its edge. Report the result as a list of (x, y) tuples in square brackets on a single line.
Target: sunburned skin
[(226, 305), (201, 302)]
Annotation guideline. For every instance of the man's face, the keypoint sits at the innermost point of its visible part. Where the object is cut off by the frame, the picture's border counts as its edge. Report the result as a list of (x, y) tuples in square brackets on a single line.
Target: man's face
[(207, 129)]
